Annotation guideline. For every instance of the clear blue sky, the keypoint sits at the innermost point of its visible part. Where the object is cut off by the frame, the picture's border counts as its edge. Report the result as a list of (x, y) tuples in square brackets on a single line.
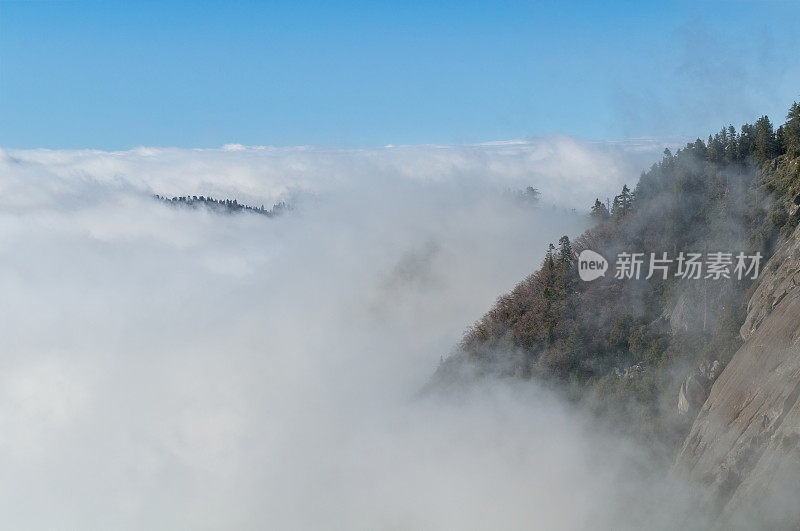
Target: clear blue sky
[(114, 75)]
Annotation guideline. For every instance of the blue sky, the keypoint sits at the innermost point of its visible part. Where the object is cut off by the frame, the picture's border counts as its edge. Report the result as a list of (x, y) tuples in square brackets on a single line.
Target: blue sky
[(114, 75)]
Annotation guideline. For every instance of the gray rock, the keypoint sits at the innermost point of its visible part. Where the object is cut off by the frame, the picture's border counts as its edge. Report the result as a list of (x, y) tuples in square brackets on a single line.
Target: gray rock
[(695, 387), (632, 372), (694, 390), (743, 450)]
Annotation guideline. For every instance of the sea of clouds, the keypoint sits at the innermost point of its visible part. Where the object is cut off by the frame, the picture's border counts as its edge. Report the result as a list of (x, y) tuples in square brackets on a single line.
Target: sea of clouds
[(175, 368)]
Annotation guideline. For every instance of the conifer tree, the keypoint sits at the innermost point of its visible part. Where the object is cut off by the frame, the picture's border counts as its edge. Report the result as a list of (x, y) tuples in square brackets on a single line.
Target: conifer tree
[(599, 211), (791, 132), (764, 141), (622, 203)]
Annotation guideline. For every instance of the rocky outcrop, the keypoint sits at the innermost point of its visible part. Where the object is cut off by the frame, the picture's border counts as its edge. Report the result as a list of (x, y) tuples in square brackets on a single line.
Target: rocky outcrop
[(684, 314), (743, 450), (781, 276), (631, 373), (695, 387), (692, 394)]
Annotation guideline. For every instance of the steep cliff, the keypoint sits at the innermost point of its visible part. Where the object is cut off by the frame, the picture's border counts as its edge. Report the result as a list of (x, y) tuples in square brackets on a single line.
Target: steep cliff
[(640, 348), (707, 369), (743, 450)]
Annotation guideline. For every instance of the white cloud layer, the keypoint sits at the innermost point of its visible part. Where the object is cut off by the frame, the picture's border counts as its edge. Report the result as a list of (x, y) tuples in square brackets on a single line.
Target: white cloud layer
[(569, 172), (170, 368)]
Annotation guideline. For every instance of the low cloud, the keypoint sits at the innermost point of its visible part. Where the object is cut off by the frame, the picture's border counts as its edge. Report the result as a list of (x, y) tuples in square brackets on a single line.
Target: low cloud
[(172, 368), (569, 172)]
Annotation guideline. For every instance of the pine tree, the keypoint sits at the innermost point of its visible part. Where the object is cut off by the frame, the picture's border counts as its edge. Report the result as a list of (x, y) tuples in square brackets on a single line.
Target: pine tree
[(599, 211), (622, 203), (564, 251), (715, 148), (764, 142), (780, 140), (532, 195), (791, 131), (731, 144)]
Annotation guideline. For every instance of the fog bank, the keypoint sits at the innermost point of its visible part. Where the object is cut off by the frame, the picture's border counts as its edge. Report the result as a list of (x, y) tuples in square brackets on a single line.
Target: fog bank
[(168, 368)]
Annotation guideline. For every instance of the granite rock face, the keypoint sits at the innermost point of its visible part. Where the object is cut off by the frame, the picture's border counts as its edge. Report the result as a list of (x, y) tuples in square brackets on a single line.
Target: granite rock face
[(779, 278), (743, 450), (694, 389)]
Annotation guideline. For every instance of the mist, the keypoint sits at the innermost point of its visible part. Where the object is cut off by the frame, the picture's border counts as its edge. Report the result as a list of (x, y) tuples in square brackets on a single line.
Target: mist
[(174, 368)]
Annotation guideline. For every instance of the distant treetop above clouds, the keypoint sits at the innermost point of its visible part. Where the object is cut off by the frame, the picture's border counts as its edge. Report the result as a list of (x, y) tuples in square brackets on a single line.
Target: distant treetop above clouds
[(569, 172)]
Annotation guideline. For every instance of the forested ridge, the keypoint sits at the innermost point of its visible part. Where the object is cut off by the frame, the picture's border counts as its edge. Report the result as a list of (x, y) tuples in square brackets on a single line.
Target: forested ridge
[(227, 206), (625, 346)]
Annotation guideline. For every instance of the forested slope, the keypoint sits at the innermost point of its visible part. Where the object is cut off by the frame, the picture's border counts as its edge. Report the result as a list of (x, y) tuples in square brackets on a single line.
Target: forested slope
[(634, 348)]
